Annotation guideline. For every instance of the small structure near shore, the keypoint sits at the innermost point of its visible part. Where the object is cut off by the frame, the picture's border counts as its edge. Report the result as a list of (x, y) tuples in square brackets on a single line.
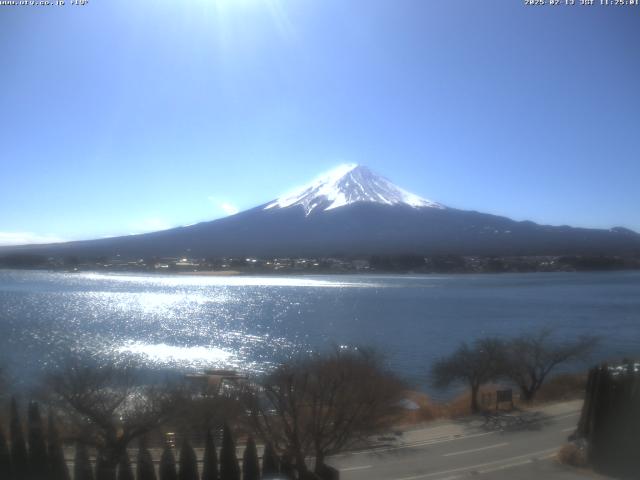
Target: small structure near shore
[(214, 382)]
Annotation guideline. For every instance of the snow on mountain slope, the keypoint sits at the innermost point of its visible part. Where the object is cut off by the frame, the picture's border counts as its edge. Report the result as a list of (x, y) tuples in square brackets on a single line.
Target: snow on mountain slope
[(349, 184)]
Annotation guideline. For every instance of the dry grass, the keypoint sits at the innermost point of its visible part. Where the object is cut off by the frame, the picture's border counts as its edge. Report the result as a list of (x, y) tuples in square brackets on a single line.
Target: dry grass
[(459, 406), (430, 410), (562, 388), (570, 454), (426, 412)]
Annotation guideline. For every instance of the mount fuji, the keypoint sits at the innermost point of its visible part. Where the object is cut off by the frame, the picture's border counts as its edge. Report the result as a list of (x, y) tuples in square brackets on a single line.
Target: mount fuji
[(353, 211), (346, 185)]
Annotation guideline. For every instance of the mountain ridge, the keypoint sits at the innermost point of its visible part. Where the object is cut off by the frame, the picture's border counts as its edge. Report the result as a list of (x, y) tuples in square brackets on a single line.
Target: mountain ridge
[(353, 211)]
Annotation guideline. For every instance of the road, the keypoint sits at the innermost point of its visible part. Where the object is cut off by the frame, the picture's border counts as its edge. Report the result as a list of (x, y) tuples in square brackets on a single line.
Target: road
[(457, 450), (451, 450)]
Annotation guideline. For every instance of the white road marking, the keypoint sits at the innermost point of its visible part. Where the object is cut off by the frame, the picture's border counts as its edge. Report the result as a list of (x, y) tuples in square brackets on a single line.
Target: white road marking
[(480, 465), (497, 445), (570, 429), (451, 438), (413, 445), (434, 441), (350, 469), (516, 464), (437, 440), (566, 415)]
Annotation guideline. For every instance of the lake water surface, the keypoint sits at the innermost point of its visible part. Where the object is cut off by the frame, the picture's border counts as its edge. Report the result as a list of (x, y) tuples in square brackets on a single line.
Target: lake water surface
[(191, 322)]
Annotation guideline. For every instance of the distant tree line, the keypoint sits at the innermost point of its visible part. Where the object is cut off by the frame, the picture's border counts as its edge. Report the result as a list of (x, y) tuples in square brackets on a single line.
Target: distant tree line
[(446, 263), (405, 262), (23, 260)]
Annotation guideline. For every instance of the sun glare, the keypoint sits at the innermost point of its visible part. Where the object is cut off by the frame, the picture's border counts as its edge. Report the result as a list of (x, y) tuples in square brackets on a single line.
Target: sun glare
[(230, 12)]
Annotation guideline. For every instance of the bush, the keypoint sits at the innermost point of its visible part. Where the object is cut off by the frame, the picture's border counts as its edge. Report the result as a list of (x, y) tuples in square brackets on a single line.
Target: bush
[(125, 472), (210, 459), (19, 455), (571, 454), (105, 469), (188, 462), (82, 466), (5, 457), (270, 462), (229, 469), (250, 465), (57, 464), (145, 469), (563, 387), (168, 465), (38, 462)]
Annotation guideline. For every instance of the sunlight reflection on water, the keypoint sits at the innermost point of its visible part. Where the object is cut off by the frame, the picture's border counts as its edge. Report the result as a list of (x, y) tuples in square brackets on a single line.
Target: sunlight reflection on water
[(226, 281), (191, 322), (171, 355)]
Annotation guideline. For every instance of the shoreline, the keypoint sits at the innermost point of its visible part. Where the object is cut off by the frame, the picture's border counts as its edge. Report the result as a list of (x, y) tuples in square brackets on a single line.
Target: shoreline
[(206, 273), (298, 273), (294, 273)]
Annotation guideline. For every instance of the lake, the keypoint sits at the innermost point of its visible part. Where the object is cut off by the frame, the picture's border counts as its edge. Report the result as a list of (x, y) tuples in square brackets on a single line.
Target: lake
[(249, 322)]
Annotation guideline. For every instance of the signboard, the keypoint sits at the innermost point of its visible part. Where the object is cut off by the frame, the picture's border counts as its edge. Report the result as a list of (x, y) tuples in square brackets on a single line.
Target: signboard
[(504, 396)]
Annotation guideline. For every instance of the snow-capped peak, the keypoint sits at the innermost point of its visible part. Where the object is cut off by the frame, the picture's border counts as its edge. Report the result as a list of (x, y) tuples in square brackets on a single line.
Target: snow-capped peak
[(349, 184)]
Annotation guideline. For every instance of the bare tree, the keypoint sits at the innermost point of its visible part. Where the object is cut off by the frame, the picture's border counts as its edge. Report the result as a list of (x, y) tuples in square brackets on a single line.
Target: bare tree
[(324, 404), (108, 408), (198, 412), (5, 457), (5, 383), (475, 364), (532, 357)]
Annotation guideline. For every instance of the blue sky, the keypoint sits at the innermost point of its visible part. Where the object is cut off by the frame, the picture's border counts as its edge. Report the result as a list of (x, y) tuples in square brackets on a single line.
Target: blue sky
[(122, 117)]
